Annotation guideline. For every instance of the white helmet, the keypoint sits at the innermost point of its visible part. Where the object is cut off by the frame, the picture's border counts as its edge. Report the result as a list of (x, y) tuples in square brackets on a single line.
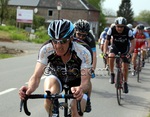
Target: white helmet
[(120, 20), (130, 26)]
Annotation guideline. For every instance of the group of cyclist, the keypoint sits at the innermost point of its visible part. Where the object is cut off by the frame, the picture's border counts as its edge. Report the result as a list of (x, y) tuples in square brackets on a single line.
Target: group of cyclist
[(71, 55), (121, 37)]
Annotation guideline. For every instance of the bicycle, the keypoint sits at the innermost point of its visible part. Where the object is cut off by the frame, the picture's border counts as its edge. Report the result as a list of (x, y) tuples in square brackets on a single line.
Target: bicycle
[(119, 76), (138, 64), (53, 97)]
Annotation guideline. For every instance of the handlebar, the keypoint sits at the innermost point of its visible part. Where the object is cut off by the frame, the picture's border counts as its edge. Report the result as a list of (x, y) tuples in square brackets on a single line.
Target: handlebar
[(23, 103)]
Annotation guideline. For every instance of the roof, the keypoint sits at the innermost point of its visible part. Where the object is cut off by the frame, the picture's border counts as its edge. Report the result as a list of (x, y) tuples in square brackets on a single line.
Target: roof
[(66, 4), (23, 2)]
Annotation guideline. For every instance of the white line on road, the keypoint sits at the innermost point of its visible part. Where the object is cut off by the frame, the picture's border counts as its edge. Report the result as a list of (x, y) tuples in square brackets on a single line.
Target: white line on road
[(7, 91)]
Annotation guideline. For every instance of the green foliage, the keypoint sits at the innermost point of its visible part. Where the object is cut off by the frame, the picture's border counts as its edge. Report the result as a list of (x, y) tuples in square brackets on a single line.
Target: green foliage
[(41, 35), (38, 21), (3, 56), (144, 16), (3, 10), (126, 11), (98, 4)]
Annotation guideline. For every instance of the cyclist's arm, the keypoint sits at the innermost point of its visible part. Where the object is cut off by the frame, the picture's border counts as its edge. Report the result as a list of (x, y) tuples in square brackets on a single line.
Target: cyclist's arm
[(106, 45), (85, 79), (94, 60), (35, 78), (132, 46), (132, 41)]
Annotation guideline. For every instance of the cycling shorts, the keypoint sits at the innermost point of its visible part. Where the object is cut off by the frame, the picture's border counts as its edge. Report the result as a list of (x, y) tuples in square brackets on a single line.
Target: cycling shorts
[(73, 83), (114, 50), (139, 45)]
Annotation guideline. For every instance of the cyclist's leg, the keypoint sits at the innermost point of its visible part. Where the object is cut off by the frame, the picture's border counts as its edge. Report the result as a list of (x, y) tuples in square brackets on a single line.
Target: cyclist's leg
[(134, 56), (112, 53), (74, 106), (125, 74), (88, 105), (143, 54), (53, 84), (125, 71)]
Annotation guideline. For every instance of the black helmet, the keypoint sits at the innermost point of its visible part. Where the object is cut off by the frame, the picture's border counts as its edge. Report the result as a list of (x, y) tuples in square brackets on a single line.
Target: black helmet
[(82, 25), (140, 27), (121, 20), (60, 29)]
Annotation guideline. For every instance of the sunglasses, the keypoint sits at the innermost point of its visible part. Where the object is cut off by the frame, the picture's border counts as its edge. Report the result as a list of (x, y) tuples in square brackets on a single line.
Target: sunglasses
[(81, 35), (63, 41), (120, 26)]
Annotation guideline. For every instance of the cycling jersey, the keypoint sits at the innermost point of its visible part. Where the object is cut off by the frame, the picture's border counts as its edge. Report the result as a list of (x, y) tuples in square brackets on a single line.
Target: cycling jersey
[(90, 41), (103, 36), (80, 58), (139, 37), (120, 41)]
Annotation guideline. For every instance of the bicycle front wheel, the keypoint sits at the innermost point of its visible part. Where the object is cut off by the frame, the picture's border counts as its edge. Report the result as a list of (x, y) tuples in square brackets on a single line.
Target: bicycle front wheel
[(138, 68), (118, 86)]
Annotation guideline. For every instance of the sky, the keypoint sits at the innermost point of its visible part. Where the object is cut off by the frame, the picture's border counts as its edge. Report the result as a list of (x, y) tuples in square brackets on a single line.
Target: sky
[(137, 5)]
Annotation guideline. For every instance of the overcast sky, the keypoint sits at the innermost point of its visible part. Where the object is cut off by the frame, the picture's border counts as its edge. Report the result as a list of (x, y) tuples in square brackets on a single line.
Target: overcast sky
[(137, 5)]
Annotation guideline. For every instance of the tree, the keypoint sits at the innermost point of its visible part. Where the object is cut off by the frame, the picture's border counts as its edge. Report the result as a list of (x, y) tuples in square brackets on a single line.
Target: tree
[(144, 16), (3, 9), (98, 4), (126, 11)]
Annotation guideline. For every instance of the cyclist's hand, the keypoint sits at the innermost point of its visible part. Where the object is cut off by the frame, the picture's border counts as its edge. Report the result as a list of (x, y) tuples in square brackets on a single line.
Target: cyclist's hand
[(105, 56), (22, 92), (128, 55), (77, 92)]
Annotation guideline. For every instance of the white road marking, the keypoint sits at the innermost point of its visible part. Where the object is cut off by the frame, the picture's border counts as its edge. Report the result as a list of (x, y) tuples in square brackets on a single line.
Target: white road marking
[(7, 91)]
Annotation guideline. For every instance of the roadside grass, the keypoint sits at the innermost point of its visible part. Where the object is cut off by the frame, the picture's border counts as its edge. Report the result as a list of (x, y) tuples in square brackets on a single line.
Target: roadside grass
[(148, 115), (3, 56), (11, 33)]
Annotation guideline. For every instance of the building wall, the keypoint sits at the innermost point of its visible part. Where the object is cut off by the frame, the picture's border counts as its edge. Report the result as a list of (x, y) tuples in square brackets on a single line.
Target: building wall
[(72, 15)]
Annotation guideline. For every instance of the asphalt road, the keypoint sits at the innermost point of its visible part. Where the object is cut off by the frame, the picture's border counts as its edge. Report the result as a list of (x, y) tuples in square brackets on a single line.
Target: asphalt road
[(15, 72)]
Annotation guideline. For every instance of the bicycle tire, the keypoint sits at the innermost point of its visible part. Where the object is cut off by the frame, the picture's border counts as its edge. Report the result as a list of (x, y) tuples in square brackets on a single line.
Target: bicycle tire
[(138, 68), (118, 86)]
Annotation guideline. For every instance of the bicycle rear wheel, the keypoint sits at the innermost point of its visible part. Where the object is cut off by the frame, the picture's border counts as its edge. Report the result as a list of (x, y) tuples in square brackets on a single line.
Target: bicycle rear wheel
[(118, 86)]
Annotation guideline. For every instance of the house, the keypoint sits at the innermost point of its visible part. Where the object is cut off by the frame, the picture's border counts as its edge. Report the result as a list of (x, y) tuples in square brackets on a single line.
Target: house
[(59, 9)]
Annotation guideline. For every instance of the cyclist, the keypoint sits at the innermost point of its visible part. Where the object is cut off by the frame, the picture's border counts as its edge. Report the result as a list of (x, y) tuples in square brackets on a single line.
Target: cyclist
[(70, 63), (121, 35), (140, 37), (101, 41), (82, 32), (148, 31), (131, 27)]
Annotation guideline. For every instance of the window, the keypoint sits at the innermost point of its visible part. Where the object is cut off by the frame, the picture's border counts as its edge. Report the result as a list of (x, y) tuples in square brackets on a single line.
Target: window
[(50, 12)]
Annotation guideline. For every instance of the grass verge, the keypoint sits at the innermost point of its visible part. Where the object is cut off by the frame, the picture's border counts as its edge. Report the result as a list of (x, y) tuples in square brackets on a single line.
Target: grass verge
[(3, 56)]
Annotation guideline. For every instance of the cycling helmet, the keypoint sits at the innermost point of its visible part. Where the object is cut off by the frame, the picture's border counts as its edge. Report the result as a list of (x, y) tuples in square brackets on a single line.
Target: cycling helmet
[(112, 25), (140, 27), (106, 29), (147, 28), (82, 26), (60, 29), (130, 26), (121, 20)]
